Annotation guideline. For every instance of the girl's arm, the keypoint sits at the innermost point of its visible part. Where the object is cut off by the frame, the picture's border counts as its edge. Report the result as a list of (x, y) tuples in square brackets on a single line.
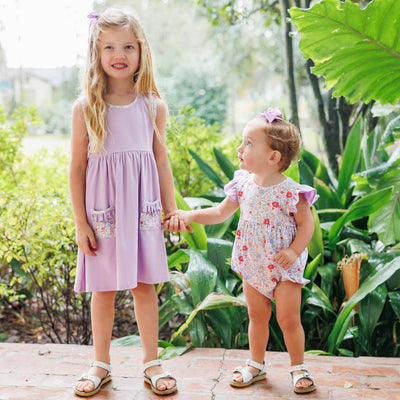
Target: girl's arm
[(305, 223), (77, 181), (206, 216), (163, 167)]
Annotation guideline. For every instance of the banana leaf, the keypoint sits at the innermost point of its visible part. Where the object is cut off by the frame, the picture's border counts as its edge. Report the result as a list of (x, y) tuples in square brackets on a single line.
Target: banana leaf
[(357, 50)]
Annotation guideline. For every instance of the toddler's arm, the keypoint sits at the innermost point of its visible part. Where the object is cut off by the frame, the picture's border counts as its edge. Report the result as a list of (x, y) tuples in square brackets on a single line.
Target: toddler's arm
[(305, 223), (206, 216)]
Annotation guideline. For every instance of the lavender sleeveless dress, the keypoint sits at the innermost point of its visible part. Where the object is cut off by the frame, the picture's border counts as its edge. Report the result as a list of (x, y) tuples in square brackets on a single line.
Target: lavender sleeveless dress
[(123, 206)]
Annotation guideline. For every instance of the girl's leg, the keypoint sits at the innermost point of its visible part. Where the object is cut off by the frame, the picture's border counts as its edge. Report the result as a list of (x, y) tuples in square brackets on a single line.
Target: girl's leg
[(146, 312), (259, 309), (288, 301), (103, 311)]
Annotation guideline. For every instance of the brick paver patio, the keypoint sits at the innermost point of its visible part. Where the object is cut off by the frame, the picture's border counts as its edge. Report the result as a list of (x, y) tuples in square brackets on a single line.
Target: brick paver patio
[(49, 371)]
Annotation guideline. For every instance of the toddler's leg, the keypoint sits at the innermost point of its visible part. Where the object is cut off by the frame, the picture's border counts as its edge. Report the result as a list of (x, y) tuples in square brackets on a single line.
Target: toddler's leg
[(146, 312), (103, 311), (259, 309), (288, 302)]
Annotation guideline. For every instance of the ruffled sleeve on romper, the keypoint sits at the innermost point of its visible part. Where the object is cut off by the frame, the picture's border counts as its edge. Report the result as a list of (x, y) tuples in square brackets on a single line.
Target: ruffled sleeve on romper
[(309, 193), (231, 188)]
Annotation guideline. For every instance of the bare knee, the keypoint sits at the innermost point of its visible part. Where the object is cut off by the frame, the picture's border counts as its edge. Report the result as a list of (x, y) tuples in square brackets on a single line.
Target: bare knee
[(257, 316), (104, 296), (143, 290), (289, 322)]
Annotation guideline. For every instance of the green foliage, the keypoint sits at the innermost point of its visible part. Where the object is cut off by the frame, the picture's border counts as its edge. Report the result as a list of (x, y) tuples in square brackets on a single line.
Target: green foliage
[(186, 132), (357, 50), (37, 245)]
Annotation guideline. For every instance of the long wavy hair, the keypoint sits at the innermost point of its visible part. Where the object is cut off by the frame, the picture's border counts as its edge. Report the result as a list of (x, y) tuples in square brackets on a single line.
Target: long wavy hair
[(95, 79)]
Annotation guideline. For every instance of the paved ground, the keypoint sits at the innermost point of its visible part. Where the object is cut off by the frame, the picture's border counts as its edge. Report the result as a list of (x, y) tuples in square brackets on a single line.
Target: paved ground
[(48, 371)]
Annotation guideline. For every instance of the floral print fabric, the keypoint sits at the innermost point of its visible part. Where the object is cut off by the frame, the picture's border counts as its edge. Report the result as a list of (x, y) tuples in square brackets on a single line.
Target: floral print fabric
[(266, 226)]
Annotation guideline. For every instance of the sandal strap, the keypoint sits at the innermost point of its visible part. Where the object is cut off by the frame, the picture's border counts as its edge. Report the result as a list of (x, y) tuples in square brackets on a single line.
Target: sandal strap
[(151, 363), (257, 365), (101, 364), (304, 375), (299, 367), (155, 378), (247, 376), (95, 379)]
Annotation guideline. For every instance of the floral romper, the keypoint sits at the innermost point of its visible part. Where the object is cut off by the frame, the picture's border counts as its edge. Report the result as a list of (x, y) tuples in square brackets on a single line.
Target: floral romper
[(266, 226)]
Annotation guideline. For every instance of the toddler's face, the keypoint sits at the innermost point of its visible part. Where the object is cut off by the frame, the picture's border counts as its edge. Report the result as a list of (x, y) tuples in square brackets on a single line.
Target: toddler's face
[(254, 151), (119, 53)]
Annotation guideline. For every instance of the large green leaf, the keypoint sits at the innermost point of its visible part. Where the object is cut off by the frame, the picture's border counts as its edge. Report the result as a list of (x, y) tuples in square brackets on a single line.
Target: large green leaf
[(211, 302), (381, 275), (357, 50), (360, 208), (370, 309), (350, 160), (386, 221), (202, 275), (219, 251)]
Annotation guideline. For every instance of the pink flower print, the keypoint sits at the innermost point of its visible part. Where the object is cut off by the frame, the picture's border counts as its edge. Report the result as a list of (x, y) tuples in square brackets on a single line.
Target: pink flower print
[(241, 274), (270, 267), (275, 204), (238, 233), (240, 258), (273, 280), (266, 221), (289, 195), (245, 248), (240, 193)]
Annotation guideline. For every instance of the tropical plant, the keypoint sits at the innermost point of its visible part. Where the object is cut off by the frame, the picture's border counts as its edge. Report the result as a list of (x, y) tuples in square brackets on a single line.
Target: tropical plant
[(356, 50)]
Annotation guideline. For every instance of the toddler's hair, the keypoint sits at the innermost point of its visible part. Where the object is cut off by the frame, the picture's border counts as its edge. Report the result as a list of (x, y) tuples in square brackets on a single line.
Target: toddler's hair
[(284, 137), (95, 80)]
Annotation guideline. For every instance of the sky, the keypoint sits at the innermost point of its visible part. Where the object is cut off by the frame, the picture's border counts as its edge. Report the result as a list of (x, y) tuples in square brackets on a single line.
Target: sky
[(44, 33)]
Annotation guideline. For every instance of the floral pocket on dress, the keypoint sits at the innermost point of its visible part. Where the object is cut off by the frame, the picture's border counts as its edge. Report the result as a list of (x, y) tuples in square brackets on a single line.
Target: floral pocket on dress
[(104, 223), (150, 217)]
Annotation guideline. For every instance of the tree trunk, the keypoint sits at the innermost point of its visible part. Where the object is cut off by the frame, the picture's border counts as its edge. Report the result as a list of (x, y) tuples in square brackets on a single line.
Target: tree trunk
[(289, 63)]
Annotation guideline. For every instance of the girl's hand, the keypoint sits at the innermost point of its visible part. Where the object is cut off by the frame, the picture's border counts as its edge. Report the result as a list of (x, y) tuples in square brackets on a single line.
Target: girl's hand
[(178, 221), (286, 258), (85, 240)]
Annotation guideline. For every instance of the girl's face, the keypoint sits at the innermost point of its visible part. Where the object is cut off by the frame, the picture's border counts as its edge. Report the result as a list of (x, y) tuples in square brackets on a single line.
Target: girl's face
[(119, 53), (255, 155)]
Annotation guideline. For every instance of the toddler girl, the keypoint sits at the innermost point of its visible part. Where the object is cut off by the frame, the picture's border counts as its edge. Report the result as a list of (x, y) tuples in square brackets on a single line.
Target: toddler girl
[(120, 178), (270, 249)]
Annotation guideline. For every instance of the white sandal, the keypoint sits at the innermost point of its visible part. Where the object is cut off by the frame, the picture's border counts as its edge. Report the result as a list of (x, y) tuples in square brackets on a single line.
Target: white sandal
[(98, 382), (153, 381), (248, 378), (303, 375)]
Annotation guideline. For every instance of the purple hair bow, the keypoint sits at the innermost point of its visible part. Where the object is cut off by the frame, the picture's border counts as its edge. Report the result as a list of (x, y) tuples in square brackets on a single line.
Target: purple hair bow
[(93, 16), (271, 114)]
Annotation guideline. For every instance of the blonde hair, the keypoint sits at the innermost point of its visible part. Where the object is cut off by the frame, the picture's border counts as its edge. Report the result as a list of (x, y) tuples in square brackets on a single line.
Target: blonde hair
[(284, 137), (95, 79)]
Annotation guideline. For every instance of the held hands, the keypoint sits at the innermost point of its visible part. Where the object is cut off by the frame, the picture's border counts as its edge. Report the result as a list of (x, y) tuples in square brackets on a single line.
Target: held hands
[(85, 240), (178, 221), (286, 258)]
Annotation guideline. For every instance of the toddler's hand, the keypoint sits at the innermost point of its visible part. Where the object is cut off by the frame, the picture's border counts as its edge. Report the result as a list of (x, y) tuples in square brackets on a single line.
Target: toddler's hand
[(85, 240), (177, 222), (286, 258)]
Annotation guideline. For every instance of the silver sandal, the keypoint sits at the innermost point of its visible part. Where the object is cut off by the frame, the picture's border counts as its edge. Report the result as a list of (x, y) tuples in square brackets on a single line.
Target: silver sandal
[(248, 378)]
